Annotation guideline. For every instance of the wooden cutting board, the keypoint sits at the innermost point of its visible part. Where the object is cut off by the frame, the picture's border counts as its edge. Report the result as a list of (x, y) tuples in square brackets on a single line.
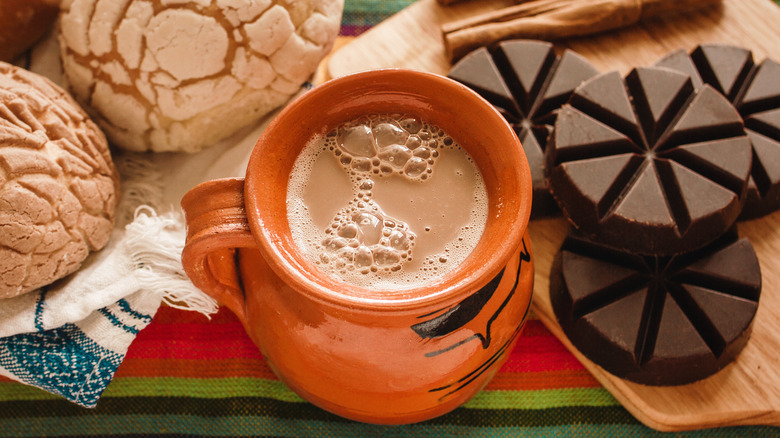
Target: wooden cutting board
[(746, 392)]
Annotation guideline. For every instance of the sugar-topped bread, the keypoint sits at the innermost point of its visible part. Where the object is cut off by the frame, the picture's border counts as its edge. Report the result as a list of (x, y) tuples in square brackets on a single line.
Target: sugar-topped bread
[(58, 185), (174, 75)]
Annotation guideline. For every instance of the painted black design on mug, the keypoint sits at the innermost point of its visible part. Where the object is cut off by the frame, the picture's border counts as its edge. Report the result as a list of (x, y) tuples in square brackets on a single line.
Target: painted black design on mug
[(450, 319), (470, 377), (484, 302), (457, 316)]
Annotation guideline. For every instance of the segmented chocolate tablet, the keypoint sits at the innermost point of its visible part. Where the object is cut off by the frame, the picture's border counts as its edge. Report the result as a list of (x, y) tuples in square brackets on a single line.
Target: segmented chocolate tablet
[(755, 92), (647, 163), (657, 320), (527, 83)]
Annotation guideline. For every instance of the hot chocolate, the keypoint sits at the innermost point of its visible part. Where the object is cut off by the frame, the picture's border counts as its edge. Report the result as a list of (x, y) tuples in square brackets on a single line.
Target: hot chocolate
[(386, 201)]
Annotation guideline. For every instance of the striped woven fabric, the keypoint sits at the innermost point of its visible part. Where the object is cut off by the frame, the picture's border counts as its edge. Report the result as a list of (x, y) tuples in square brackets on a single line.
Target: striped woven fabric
[(186, 375)]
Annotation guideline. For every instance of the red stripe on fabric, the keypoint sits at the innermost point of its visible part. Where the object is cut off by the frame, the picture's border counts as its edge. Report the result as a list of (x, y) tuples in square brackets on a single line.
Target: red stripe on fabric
[(540, 353), (193, 341), (535, 362), (543, 380), (178, 334), (188, 345), (259, 369), (203, 330), (195, 348), (188, 368), (187, 331)]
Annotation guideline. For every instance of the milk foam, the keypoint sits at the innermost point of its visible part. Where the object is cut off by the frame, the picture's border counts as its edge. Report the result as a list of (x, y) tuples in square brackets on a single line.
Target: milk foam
[(391, 162)]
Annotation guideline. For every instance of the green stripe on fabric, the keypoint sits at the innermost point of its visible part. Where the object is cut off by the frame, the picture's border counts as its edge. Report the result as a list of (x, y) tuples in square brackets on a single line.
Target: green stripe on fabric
[(542, 399), (368, 13), (276, 390), (168, 425), (362, 19), (167, 387), (10, 391), (384, 7), (200, 388)]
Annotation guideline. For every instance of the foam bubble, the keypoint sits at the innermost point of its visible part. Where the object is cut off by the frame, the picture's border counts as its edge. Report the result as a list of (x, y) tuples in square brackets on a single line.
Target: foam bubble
[(387, 133), (357, 140), (381, 145), (415, 167), (413, 142), (362, 244), (411, 124), (395, 155)]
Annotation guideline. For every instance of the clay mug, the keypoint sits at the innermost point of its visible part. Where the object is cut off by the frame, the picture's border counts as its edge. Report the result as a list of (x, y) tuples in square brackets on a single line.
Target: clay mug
[(370, 355)]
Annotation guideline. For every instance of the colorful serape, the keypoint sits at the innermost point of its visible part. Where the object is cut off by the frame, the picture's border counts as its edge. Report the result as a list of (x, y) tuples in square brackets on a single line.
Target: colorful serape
[(186, 375)]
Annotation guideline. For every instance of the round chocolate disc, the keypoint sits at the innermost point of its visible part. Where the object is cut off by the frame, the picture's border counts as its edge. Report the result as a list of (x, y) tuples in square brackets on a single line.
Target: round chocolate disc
[(755, 92), (648, 163), (527, 82), (657, 320)]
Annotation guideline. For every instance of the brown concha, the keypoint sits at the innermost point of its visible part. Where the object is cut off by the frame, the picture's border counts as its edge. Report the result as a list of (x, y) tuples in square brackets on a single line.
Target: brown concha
[(23, 23), (58, 185)]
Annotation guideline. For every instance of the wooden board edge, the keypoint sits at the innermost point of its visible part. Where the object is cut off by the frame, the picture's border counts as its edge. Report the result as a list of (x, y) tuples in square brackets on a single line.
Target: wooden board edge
[(643, 412)]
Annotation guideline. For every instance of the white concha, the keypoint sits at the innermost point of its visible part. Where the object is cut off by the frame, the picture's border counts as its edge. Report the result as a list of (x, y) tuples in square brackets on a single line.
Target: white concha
[(58, 185), (175, 75)]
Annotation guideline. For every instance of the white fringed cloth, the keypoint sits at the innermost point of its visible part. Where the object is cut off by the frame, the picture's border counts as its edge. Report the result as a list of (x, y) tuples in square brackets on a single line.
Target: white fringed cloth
[(70, 337)]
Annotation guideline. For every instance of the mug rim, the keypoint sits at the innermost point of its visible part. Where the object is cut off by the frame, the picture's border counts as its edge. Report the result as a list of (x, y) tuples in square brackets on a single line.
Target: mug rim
[(294, 268)]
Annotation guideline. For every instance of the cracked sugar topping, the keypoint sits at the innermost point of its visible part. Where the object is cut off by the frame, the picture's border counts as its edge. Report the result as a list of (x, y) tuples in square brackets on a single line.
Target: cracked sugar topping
[(180, 75), (58, 185)]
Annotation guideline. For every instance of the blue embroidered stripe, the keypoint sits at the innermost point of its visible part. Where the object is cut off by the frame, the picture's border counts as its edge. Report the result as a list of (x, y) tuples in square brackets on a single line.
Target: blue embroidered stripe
[(39, 305), (125, 306), (63, 361), (114, 320)]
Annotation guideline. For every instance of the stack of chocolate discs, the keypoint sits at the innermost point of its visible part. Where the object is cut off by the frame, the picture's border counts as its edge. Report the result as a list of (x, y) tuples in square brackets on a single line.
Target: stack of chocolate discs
[(527, 83), (653, 169), (654, 285), (755, 92), (648, 163)]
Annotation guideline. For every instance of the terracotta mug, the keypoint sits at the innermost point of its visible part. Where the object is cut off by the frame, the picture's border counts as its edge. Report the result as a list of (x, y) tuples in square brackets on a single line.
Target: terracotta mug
[(371, 355)]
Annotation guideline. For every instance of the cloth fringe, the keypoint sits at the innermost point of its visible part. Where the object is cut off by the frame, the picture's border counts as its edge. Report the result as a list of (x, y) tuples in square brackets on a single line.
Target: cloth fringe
[(141, 184), (155, 243)]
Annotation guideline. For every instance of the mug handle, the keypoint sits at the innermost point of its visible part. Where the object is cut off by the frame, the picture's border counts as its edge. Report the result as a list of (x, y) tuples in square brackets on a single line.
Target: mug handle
[(216, 227)]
